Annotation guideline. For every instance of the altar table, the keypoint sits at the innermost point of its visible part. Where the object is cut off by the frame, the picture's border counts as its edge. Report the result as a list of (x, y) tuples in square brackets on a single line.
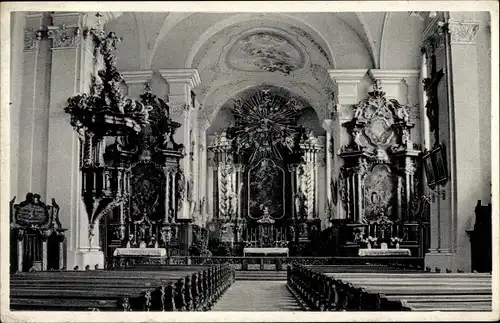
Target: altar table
[(151, 252), (266, 251), (384, 252)]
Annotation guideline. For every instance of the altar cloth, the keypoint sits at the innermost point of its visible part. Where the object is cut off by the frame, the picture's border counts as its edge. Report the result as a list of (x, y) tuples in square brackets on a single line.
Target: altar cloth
[(152, 252), (265, 251), (383, 252)]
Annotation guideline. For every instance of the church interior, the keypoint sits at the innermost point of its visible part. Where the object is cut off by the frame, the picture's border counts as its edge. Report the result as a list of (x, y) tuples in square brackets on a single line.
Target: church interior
[(335, 152)]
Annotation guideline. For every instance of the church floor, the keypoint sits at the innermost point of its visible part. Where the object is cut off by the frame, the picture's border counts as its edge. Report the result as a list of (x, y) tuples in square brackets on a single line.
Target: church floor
[(257, 296)]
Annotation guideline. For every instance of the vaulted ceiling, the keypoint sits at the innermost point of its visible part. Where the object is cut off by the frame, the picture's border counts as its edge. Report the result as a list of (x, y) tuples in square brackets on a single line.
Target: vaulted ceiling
[(237, 51)]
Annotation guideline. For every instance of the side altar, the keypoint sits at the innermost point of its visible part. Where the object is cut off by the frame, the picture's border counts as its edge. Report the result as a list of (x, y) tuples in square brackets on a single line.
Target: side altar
[(379, 181)]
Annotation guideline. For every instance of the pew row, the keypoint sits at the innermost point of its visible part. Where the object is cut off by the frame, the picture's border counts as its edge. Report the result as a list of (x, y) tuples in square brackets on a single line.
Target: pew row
[(194, 288), (323, 291)]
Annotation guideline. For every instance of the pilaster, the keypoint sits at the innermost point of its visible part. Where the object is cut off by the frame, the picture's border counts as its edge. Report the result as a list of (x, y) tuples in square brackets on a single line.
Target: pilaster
[(29, 103), (73, 64), (348, 92), (15, 101), (465, 152), (182, 105), (328, 124)]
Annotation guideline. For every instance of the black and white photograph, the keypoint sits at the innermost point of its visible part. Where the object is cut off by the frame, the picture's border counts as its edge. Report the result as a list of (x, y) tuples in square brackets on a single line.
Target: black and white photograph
[(249, 161)]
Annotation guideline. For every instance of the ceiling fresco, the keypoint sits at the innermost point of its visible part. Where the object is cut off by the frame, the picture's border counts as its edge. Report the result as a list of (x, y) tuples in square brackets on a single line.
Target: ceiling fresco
[(266, 52)]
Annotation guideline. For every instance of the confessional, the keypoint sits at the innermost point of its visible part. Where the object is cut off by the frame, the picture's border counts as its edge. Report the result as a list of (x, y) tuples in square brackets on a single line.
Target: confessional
[(37, 237)]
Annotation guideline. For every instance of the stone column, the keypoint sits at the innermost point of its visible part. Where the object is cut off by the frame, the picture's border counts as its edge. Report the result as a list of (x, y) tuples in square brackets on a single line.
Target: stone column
[(72, 67), (203, 170), (348, 90), (293, 184), (327, 125), (181, 82), (168, 187), (44, 253), (61, 252), (20, 253)]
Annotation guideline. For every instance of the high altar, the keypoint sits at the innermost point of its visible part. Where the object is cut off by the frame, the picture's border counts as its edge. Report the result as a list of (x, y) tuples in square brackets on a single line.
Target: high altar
[(265, 166)]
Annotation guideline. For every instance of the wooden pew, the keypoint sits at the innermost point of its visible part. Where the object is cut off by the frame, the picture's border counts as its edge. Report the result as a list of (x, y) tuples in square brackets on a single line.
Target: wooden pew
[(187, 288), (390, 291), (445, 291)]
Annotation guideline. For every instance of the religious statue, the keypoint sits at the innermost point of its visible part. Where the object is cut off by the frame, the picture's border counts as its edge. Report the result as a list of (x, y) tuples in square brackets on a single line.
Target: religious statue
[(300, 201), (181, 183), (190, 184), (233, 204), (202, 205), (304, 232)]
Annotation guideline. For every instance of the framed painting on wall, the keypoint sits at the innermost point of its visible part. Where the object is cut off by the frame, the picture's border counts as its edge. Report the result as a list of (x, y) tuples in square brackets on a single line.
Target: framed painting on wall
[(440, 166), (429, 169)]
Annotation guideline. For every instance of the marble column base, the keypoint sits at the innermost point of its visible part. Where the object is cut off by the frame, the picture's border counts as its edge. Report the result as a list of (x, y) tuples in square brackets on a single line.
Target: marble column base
[(439, 260), (84, 257)]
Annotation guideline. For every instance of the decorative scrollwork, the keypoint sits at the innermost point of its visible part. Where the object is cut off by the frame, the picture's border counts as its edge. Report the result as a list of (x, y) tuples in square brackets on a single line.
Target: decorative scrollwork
[(463, 32), (264, 122), (32, 37)]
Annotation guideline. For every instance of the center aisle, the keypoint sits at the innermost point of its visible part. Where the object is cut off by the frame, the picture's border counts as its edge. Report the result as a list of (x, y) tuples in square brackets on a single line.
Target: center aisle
[(257, 296)]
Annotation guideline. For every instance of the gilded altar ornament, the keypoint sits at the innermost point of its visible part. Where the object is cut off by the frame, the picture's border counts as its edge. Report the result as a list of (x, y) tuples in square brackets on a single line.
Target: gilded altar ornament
[(264, 123)]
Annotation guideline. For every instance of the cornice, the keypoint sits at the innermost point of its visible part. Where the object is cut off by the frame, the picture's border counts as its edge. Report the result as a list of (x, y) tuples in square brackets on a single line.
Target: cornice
[(393, 76), (136, 77), (189, 76), (347, 76)]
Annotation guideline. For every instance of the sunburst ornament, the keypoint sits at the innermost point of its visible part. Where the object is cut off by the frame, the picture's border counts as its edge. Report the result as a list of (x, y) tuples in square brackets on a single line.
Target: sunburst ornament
[(265, 123)]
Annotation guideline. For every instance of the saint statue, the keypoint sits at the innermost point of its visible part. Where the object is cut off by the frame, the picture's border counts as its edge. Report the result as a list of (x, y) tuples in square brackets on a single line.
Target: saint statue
[(300, 200)]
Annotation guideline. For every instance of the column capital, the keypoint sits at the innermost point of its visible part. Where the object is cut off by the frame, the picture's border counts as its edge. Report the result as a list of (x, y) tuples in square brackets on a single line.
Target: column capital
[(188, 76), (136, 77), (347, 82), (462, 32), (32, 31), (64, 36)]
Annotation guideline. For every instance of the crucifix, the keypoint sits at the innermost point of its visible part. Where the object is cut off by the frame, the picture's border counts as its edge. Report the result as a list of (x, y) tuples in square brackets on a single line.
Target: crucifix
[(431, 89)]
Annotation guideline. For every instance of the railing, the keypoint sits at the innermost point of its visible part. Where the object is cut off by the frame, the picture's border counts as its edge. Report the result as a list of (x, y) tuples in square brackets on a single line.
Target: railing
[(237, 262)]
